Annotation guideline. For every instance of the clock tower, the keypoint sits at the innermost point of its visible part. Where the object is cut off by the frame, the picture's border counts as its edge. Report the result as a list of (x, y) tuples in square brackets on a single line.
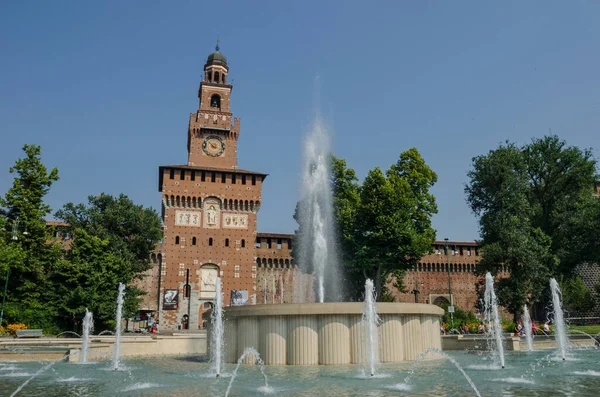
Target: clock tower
[(209, 212), (213, 132)]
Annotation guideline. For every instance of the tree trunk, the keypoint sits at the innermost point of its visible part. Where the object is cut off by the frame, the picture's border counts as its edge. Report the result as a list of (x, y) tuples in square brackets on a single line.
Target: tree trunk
[(377, 283)]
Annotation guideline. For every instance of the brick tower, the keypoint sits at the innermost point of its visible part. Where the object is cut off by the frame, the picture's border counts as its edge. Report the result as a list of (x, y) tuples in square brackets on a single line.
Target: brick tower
[(209, 209)]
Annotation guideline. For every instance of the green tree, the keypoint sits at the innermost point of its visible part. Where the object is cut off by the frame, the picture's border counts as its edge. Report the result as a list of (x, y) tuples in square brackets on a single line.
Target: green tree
[(32, 255), (536, 214), (88, 277), (113, 240), (393, 222), (576, 296), (561, 180)]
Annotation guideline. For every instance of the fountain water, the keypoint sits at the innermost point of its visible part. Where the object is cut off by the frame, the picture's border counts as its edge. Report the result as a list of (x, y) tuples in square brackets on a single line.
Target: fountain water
[(249, 350), (88, 327), (528, 330), (429, 351), (216, 336), (492, 318), (118, 326), (39, 372), (586, 334), (370, 321), (317, 240), (559, 322)]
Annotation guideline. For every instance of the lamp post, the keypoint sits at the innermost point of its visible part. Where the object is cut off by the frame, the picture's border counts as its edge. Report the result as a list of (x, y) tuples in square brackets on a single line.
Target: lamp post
[(13, 238), (449, 287), (416, 291)]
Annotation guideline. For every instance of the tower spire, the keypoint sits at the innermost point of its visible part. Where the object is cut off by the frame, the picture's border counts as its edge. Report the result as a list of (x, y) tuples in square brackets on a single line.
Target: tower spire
[(217, 48)]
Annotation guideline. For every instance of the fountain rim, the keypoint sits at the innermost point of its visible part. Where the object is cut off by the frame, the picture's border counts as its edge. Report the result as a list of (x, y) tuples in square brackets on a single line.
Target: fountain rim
[(329, 308)]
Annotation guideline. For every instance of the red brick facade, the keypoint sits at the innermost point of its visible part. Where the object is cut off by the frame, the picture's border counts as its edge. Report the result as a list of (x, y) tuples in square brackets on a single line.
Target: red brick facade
[(209, 209)]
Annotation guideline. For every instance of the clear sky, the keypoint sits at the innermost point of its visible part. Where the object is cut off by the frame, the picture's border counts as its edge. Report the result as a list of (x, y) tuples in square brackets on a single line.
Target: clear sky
[(106, 87)]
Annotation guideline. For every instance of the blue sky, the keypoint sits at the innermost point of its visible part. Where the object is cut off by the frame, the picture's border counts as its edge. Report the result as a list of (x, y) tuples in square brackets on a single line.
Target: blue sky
[(107, 87)]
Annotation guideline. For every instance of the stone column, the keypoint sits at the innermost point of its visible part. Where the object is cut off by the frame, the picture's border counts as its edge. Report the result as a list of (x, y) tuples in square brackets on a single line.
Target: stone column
[(247, 336), (410, 331), (273, 340), (229, 339), (358, 346), (391, 339), (334, 340), (303, 339)]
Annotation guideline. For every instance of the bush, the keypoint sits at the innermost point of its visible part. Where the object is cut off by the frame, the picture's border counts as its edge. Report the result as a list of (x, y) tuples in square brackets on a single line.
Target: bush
[(4, 331), (13, 328)]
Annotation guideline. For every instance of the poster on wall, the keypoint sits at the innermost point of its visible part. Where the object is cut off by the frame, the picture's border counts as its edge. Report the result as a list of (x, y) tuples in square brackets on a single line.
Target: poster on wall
[(239, 297), (171, 299)]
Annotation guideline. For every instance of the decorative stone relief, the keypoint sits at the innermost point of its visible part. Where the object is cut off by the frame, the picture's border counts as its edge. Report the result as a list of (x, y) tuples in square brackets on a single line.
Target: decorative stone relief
[(188, 218), (211, 213), (235, 221)]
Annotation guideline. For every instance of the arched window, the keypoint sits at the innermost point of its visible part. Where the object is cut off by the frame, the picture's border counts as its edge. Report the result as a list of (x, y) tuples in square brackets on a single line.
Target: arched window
[(215, 101), (176, 239), (193, 240), (217, 77), (210, 241), (243, 243), (226, 242)]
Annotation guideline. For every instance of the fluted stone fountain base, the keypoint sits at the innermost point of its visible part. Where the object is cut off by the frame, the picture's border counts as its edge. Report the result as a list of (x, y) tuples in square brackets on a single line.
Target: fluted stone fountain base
[(329, 333)]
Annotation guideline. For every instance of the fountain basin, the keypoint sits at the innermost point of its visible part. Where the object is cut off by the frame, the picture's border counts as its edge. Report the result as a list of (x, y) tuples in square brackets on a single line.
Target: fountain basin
[(329, 333)]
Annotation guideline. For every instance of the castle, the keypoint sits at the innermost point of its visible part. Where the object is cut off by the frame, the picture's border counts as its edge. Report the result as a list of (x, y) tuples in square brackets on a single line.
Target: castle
[(209, 211)]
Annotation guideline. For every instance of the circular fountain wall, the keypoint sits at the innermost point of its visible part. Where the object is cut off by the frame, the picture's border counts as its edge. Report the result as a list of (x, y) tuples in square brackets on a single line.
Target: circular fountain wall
[(329, 333)]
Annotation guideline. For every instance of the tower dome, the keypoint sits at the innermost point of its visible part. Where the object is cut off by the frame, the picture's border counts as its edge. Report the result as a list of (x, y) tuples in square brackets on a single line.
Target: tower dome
[(216, 58)]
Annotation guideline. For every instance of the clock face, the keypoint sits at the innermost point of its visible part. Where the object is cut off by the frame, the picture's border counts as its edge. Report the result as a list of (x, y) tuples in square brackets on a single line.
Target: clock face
[(213, 145)]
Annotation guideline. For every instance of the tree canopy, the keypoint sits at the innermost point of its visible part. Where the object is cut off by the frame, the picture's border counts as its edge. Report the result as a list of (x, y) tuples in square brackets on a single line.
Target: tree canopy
[(536, 214), (51, 284)]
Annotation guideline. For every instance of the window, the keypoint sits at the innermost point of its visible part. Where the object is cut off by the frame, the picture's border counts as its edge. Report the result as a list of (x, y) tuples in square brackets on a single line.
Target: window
[(193, 240), (226, 242), (254, 179), (279, 244), (233, 179), (243, 179), (193, 176), (210, 241), (269, 243), (243, 243), (223, 175), (468, 251), (176, 239), (215, 101), (182, 175), (213, 176), (171, 174), (202, 176)]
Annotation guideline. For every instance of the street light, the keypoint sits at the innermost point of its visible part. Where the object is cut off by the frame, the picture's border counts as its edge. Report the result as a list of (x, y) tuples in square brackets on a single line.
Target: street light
[(449, 287), (416, 291), (14, 237)]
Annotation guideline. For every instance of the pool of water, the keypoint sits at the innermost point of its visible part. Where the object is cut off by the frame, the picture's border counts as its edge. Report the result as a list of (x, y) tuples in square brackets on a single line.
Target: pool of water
[(526, 374)]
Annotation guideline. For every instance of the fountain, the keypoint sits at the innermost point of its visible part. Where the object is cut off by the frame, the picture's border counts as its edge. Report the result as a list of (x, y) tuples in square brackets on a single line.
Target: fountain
[(317, 253), (118, 326), (440, 353), (492, 318), (216, 335), (528, 329), (88, 327), (370, 321), (559, 322), (247, 351)]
